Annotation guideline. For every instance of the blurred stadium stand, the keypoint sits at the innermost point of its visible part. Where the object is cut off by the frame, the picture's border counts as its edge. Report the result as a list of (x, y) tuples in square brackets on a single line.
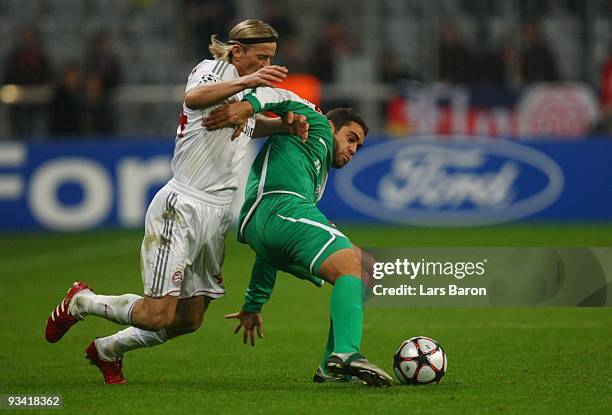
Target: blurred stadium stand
[(157, 46)]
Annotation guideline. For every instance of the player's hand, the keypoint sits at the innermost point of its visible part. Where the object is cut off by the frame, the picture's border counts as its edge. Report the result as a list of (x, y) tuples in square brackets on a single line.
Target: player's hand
[(267, 76), (250, 322), (297, 124), (234, 114)]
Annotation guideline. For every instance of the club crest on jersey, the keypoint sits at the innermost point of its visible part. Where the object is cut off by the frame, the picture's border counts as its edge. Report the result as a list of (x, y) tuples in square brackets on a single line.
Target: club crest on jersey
[(317, 165), (177, 277)]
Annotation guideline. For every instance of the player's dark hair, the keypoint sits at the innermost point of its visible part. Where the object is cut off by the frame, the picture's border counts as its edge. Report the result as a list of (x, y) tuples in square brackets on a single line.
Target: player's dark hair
[(342, 116)]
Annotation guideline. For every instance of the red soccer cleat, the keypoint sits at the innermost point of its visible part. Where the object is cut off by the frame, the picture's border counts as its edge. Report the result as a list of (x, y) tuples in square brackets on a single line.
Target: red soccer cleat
[(60, 320), (110, 370)]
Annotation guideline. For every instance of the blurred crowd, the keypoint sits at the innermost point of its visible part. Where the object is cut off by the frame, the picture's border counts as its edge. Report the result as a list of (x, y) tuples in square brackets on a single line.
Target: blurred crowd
[(80, 101), (82, 91), (523, 58)]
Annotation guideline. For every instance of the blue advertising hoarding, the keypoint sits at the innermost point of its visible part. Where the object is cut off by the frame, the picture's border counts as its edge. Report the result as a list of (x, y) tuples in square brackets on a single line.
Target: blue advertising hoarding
[(73, 185), (428, 181), (470, 181)]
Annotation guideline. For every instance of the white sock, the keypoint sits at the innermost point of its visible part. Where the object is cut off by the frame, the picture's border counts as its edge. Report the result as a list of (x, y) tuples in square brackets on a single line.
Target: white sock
[(113, 347), (116, 308)]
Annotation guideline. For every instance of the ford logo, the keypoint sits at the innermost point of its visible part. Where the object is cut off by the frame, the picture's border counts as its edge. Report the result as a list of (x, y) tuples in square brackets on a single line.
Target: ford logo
[(464, 181)]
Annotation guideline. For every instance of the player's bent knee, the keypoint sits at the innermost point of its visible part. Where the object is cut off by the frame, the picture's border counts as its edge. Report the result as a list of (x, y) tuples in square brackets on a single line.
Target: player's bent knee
[(155, 314), (342, 262), (159, 321)]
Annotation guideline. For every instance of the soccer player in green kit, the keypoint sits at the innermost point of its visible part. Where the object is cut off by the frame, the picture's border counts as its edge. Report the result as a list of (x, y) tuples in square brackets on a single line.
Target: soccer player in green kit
[(281, 222)]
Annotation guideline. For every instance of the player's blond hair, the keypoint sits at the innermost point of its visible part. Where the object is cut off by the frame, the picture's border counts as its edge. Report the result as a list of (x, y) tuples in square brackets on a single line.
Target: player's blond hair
[(247, 29)]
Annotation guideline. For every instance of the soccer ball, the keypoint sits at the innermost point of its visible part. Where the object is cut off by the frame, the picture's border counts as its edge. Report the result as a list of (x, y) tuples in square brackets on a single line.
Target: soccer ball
[(418, 361)]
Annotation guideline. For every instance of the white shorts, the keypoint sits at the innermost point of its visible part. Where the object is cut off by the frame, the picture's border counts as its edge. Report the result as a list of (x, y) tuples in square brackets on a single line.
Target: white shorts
[(183, 247)]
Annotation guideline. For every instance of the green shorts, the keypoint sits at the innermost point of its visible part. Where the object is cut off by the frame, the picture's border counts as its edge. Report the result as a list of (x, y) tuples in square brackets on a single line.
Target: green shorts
[(293, 235)]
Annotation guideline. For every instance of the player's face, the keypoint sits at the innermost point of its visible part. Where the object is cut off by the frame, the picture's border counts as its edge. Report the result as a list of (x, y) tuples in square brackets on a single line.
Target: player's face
[(253, 58), (347, 140)]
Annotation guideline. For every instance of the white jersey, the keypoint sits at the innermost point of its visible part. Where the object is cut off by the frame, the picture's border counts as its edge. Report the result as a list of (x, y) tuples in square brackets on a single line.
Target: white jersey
[(208, 161)]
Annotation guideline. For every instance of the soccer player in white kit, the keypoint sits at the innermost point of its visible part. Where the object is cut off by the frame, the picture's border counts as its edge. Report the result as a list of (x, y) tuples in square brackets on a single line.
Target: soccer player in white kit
[(186, 223)]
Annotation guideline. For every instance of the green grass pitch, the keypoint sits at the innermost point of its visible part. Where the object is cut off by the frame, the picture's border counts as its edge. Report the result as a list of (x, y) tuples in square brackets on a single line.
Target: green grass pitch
[(501, 361)]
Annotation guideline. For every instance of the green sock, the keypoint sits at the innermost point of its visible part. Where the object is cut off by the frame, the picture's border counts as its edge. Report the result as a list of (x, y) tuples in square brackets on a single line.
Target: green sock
[(329, 348), (347, 314)]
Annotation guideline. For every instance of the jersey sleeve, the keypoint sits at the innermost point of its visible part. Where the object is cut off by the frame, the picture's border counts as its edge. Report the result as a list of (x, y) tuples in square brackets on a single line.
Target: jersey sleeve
[(208, 72), (276, 100), (263, 278)]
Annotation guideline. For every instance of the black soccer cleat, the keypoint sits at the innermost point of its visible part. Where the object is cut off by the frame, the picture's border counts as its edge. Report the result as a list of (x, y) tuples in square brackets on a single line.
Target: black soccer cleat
[(321, 377), (358, 366)]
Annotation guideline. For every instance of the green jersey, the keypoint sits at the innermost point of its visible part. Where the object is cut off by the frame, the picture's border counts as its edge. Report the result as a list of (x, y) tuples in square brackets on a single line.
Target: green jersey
[(280, 219), (285, 165)]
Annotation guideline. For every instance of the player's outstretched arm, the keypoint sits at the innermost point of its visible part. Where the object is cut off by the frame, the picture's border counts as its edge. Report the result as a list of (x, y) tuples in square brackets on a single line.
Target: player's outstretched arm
[(261, 285), (290, 123), (214, 93), (263, 278), (235, 115)]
